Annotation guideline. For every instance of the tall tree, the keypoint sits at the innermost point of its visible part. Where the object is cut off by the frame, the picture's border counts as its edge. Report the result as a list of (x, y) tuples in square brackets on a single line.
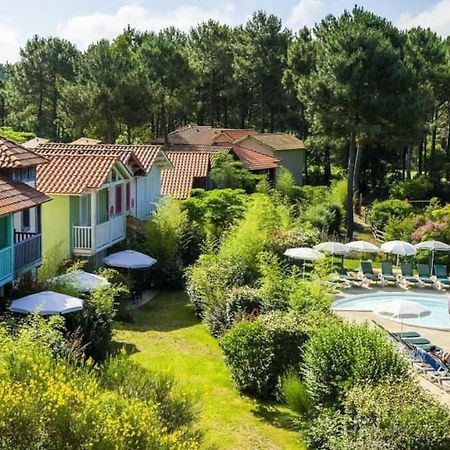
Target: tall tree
[(260, 60), (33, 87), (357, 84), (211, 55)]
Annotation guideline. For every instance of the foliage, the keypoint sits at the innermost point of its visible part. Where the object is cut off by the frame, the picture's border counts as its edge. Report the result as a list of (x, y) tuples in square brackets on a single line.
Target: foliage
[(293, 393), (419, 188), (326, 217), (400, 229), (52, 263), (391, 415), (95, 321), (19, 137), (215, 211), (227, 173), (163, 240), (382, 211), (48, 403), (259, 351), (340, 355)]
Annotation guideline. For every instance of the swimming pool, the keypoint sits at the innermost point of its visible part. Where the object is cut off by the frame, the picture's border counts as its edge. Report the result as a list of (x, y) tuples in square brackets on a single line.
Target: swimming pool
[(439, 318)]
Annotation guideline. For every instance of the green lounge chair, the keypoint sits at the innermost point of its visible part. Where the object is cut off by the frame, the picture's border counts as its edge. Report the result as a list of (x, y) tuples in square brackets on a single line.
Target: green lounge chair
[(424, 275), (407, 334), (407, 274), (442, 279), (367, 272), (387, 276), (416, 341)]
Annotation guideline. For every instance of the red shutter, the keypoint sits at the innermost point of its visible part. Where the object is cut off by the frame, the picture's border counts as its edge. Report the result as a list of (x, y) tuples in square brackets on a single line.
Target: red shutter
[(128, 195), (119, 199)]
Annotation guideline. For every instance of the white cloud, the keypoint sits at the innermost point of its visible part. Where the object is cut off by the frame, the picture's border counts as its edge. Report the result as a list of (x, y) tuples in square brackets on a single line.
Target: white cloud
[(83, 30), (437, 17), (10, 42), (306, 13)]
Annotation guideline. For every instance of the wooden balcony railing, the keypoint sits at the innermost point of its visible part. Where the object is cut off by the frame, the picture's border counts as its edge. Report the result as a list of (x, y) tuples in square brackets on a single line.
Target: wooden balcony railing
[(27, 251)]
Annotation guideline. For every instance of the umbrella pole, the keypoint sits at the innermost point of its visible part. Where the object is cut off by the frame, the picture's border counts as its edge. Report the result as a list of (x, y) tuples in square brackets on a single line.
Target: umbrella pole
[(432, 261), (304, 269)]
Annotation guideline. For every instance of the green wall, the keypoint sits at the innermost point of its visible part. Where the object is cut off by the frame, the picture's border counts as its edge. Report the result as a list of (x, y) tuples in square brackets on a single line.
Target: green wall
[(57, 218)]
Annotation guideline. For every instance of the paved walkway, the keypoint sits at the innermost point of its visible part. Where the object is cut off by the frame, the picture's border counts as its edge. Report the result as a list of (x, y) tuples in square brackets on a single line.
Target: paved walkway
[(438, 337)]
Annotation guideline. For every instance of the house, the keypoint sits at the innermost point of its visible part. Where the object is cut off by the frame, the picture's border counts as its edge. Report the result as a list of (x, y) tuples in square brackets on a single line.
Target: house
[(192, 164), (20, 211), (280, 149), (145, 162), (88, 211), (287, 148)]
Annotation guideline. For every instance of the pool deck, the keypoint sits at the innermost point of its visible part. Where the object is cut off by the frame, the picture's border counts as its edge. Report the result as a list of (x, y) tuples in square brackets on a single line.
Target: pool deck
[(438, 337)]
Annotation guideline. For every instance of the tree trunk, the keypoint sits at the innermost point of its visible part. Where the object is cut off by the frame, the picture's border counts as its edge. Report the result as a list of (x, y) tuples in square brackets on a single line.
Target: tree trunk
[(433, 145), (225, 112), (261, 105), (128, 134), (420, 161), (403, 163), (425, 162), (408, 162), (359, 149), (351, 173), (447, 144), (327, 166)]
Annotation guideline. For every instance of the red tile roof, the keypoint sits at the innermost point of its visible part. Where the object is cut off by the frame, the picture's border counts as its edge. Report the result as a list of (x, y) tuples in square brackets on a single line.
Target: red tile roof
[(141, 156), (15, 156), (253, 160), (198, 148), (235, 133), (16, 196), (86, 141), (35, 142), (278, 141), (179, 181), (73, 174)]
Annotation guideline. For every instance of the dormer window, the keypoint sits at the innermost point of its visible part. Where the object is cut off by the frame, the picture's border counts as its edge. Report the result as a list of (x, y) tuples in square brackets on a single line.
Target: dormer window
[(25, 174)]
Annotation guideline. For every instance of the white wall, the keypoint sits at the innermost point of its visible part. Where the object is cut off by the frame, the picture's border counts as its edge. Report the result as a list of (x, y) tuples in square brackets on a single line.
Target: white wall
[(148, 192)]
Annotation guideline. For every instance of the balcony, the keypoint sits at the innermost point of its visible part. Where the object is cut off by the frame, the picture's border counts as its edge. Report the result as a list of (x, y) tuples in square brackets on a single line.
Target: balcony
[(27, 251), (88, 240), (6, 265)]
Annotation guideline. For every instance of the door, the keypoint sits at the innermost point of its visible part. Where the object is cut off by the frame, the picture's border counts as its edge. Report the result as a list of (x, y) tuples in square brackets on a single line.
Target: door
[(84, 210), (118, 199)]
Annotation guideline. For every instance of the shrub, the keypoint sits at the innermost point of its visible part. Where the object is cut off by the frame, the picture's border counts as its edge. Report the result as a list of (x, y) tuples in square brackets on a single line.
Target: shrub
[(95, 321), (175, 408), (294, 393), (382, 211), (419, 188), (259, 351), (391, 415), (340, 355), (46, 403), (241, 302), (400, 229), (326, 217), (163, 237)]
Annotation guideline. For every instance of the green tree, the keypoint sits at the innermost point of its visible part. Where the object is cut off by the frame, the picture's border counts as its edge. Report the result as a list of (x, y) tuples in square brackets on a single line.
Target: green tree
[(259, 62), (357, 85)]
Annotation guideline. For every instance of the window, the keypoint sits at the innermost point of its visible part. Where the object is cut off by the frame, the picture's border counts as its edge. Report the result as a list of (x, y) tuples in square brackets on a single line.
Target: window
[(128, 196), (25, 174), (84, 210), (26, 220)]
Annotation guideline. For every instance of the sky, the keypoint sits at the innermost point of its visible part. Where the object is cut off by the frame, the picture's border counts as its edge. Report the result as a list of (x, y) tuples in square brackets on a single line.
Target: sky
[(86, 21)]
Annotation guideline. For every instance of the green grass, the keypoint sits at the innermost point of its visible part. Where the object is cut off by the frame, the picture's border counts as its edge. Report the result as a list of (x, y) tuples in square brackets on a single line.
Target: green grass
[(167, 336)]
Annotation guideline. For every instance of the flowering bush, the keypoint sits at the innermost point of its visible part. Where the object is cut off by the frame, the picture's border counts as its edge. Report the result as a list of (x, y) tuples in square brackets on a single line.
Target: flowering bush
[(381, 212), (45, 403)]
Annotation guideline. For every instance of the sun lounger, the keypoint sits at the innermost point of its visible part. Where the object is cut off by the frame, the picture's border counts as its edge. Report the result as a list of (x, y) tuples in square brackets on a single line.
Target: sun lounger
[(367, 272), (416, 340), (442, 280), (439, 372), (407, 334), (407, 276), (387, 276), (424, 275), (345, 277)]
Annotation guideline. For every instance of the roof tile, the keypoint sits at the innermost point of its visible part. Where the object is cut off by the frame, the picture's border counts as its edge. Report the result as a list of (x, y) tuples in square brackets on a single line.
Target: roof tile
[(15, 156)]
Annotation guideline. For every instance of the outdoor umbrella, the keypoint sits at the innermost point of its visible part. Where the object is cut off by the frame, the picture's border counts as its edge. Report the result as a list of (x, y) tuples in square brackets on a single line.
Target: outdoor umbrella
[(46, 303), (362, 247), (81, 280), (334, 248), (433, 246), (303, 253), (402, 309), (399, 248), (129, 259)]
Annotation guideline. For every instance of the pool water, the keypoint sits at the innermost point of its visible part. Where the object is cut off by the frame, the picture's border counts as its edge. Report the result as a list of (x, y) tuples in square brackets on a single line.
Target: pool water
[(439, 318)]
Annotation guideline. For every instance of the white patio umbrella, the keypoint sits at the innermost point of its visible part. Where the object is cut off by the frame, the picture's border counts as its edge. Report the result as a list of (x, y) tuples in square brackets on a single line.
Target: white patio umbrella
[(81, 280), (46, 303), (304, 254), (402, 309), (362, 247), (399, 248), (129, 259), (433, 246), (335, 248)]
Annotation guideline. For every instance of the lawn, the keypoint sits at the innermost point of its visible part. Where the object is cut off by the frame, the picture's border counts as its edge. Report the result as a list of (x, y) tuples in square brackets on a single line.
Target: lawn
[(167, 336)]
